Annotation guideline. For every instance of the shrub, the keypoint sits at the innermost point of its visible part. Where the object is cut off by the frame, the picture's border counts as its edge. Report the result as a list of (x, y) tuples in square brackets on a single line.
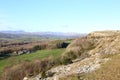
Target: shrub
[(57, 44), (37, 47)]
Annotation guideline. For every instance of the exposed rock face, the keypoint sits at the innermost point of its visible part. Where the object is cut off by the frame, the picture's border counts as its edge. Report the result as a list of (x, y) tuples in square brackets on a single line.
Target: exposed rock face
[(99, 34), (95, 44), (107, 42), (25, 78), (84, 66)]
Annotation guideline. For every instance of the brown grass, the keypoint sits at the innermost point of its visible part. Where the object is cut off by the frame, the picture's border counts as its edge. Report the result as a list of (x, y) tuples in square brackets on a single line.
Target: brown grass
[(19, 71), (108, 71), (72, 77), (78, 49), (37, 66)]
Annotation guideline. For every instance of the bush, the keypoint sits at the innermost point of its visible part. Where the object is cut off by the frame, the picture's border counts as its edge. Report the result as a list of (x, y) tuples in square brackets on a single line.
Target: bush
[(57, 44), (37, 47)]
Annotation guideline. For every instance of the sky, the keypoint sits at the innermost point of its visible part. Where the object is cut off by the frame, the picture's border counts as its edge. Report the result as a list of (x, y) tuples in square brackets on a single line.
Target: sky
[(81, 16)]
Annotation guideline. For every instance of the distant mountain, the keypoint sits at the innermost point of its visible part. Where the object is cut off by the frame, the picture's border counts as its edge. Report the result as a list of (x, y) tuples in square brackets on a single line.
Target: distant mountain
[(60, 34), (14, 32), (23, 34), (5, 35)]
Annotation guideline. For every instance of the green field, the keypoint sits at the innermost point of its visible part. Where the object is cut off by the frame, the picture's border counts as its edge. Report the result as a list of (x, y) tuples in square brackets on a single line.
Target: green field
[(29, 57)]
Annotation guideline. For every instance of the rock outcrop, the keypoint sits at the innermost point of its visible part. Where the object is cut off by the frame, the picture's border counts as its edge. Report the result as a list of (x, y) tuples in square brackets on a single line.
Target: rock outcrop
[(102, 34), (107, 42)]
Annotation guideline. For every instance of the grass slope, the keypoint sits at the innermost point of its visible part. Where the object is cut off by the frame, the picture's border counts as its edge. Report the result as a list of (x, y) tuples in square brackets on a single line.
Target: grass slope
[(29, 57)]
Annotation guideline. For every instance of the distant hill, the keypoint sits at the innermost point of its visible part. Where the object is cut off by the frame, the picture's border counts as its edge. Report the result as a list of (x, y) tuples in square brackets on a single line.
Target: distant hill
[(46, 35), (14, 32), (6, 35), (59, 34)]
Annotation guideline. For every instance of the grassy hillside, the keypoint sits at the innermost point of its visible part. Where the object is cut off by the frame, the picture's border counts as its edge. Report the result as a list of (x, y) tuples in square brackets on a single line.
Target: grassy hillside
[(29, 57)]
